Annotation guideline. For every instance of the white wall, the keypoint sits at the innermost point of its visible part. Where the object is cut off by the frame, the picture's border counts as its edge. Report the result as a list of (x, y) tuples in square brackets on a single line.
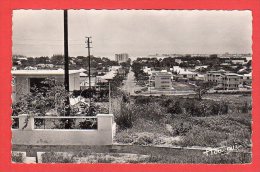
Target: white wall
[(30, 136)]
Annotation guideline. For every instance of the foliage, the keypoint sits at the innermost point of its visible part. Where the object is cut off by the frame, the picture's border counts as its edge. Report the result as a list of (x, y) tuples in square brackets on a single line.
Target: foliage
[(142, 100), (202, 87), (144, 140), (245, 108), (182, 129), (88, 124), (17, 157), (42, 100), (52, 157), (125, 119), (175, 108)]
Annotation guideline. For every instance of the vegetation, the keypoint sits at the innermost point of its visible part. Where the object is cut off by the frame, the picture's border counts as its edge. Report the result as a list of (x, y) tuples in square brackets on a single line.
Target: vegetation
[(52, 157), (195, 122), (17, 157), (179, 156)]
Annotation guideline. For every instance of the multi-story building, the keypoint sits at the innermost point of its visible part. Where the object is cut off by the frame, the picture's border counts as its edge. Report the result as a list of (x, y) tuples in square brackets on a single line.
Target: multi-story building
[(225, 81), (162, 80), (214, 76), (123, 57), (230, 81), (246, 79)]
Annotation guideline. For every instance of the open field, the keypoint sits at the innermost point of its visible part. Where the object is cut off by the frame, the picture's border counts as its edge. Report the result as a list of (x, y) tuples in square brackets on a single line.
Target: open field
[(217, 120)]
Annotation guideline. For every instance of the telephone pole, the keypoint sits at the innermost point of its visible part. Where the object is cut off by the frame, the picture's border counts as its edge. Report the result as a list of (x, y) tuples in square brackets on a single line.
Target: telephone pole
[(66, 62), (88, 42), (88, 47)]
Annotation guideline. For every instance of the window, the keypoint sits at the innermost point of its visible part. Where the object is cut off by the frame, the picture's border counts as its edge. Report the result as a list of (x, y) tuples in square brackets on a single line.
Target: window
[(165, 82), (165, 78)]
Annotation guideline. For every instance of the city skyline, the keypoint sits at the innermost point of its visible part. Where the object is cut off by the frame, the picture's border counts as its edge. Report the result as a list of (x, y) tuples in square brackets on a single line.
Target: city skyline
[(136, 32)]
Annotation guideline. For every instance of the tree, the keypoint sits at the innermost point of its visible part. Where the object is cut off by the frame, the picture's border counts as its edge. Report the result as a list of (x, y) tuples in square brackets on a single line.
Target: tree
[(51, 96), (202, 87), (57, 59)]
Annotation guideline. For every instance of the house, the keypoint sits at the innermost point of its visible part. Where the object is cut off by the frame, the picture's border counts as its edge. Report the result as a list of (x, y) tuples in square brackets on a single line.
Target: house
[(184, 73), (45, 65), (179, 61), (24, 80), (239, 61)]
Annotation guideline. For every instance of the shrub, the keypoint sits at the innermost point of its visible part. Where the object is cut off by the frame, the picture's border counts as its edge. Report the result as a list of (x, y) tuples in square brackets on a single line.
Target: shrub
[(194, 108), (124, 137), (88, 124), (175, 108), (198, 136), (219, 108), (143, 100), (245, 108), (52, 157), (125, 118), (18, 158), (181, 129), (167, 103), (144, 140)]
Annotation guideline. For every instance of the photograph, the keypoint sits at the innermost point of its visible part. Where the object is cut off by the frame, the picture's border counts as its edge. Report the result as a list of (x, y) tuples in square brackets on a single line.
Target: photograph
[(132, 86)]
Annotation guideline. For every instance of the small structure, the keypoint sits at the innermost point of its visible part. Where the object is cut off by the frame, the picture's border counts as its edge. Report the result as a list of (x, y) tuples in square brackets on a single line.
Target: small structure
[(29, 135), (184, 73), (24, 80)]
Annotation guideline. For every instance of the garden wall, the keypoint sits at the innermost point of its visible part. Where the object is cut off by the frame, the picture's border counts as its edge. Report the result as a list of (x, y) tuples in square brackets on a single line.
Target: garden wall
[(103, 135)]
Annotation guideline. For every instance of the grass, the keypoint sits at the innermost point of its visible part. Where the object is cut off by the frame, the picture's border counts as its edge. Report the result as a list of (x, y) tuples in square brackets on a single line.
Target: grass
[(17, 157), (180, 156), (205, 130)]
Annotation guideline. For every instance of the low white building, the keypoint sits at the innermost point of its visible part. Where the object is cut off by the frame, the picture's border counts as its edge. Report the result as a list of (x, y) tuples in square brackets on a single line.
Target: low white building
[(24, 80), (184, 73)]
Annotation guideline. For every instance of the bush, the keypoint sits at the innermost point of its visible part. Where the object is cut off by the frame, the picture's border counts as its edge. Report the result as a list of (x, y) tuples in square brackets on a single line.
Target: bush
[(175, 108), (219, 108), (124, 138), (144, 140), (167, 103), (52, 157), (152, 111), (88, 124), (245, 108), (142, 100), (199, 136), (181, 129), (18, 158), (195, 108), (125, 118)]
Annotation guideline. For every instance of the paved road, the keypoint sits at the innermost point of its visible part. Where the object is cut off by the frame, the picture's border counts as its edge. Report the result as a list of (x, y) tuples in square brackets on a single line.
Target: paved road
[(129, 84)]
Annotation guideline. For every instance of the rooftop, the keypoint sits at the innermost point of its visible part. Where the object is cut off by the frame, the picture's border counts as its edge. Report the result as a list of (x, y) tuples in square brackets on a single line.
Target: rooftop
[(42, 72)]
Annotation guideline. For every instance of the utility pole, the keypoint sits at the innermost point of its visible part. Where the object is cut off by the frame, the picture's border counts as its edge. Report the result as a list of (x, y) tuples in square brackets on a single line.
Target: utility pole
[(89, 77), (66, 62)]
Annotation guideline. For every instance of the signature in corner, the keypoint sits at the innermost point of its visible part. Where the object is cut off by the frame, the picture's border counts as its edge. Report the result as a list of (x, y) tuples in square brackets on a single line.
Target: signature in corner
[(222, 150)]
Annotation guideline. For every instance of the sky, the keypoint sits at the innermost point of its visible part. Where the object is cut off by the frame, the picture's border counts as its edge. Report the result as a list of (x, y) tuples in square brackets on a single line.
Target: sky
[(136, 32)]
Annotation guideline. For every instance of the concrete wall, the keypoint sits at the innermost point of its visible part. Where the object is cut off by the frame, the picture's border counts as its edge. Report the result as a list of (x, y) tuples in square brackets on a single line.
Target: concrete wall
[(30, 136)]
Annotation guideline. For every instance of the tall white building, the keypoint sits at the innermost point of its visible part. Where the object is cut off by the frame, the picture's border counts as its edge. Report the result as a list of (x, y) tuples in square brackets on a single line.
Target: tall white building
[(123, 57)]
